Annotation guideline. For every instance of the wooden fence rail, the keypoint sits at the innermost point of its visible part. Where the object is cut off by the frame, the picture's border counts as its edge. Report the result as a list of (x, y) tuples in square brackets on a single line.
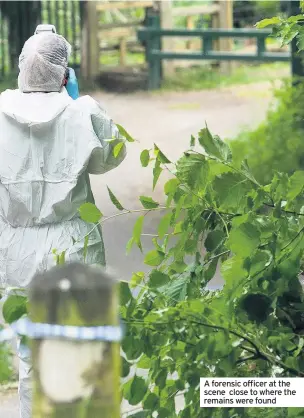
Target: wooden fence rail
[(155, 55)]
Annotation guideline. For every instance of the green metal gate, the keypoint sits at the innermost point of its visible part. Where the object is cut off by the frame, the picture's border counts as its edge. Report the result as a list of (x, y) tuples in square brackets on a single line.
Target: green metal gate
[(151, 36)]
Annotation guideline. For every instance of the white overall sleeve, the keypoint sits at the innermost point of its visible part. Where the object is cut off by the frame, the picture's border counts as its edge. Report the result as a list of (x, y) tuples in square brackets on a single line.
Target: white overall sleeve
[(111, 150)]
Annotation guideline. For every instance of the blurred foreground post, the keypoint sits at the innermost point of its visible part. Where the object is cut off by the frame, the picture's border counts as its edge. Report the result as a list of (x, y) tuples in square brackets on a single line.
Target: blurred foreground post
[(75, 374)]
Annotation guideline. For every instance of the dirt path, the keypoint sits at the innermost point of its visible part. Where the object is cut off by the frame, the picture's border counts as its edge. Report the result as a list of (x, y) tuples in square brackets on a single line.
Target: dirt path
[(168, 120)]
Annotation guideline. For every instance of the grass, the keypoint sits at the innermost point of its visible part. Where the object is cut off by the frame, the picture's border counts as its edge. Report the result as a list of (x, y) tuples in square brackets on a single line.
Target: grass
[(111, 59), (203, 78)]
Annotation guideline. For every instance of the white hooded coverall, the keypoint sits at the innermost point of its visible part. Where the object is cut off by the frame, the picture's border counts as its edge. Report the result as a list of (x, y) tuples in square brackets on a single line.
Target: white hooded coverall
[(49, 144)]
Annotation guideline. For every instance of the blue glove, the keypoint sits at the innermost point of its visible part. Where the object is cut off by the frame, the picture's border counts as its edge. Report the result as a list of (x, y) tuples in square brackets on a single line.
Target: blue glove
[(72, 85)]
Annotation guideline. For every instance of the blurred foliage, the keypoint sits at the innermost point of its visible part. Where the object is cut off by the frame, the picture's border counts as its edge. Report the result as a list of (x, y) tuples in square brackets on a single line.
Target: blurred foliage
[(207, 77), (247, 13), (6, 370), (277, 144), (19, 30)]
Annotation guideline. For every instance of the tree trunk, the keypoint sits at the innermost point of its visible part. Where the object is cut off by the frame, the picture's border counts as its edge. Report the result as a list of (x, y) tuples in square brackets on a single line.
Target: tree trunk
[(22, 20)]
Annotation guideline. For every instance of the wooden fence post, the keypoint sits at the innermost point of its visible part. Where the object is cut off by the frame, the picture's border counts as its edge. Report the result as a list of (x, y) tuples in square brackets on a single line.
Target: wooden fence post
[(226, 22), (75, 377), (166, 22), (190, 26), (90, 42), (123, 52)]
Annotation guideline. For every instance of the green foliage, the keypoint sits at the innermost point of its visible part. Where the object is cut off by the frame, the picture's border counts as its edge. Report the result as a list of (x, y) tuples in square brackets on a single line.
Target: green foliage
[(6, 371), (14, 308), (247, 13), (286, 29), (114, 200), (218, 215), (277, 144), (207, 77), (90, 213), (124, 133)]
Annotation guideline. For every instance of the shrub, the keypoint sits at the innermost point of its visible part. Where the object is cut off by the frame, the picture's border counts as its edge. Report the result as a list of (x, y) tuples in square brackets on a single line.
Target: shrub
[(277, 144), (216, 215)]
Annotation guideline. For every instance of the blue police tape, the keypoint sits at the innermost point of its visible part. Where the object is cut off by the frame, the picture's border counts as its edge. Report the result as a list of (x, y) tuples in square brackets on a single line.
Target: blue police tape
[(33, 330)]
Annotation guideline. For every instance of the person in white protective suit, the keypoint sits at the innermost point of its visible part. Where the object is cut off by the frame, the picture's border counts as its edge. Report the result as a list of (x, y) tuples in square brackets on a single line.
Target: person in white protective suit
[(49, 144)]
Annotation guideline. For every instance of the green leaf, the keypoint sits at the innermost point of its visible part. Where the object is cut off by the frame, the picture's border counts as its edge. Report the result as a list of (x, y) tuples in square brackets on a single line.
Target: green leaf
[(138, 390), (157, 170), (193, 169), (214, 146), (214, 239), (171, 186), (295, 412), (164, 225), (125, 367), (125, 134), (137, 278), (178, 229), (158, 279), (145, 158), (114, 200), (192, 141), (125, 293), (160, 156), (289, 36), (233, 271), (144, 362), (161, 378), (294, 19), (62, 258), (14, 308), (170, 189), (177, 289), (267, 22), (90, 213), (296, 184), (300, 41), (243, 240), (117, 149), (210, 270), (178, 266), (151, 402), (133, 347), (246, 171), (260, 261), (129, 245), (300, 348), (230, 191), (163, 413), (148, 202), (140, 414), (154, 258), (137, 230)]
